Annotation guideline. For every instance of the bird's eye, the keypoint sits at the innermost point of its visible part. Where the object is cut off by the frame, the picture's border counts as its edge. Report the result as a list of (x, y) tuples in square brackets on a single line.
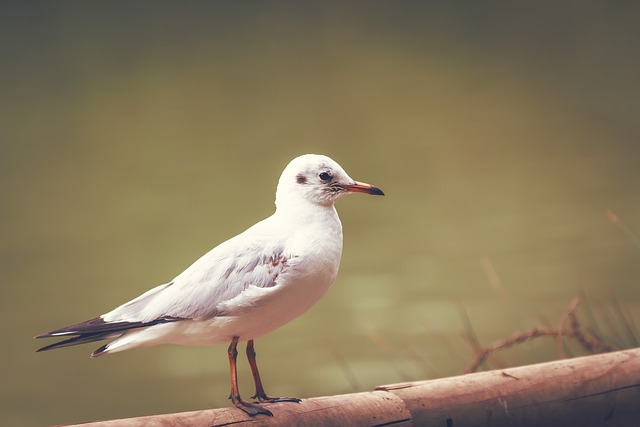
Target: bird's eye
[(324, 176)]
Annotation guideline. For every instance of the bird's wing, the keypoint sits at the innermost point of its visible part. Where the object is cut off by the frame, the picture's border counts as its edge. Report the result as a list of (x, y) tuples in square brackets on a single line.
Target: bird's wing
[(218, 276), (248, 263)]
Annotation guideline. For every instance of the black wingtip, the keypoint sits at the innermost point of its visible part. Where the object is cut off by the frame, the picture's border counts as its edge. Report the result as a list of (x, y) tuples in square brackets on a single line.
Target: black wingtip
[(99, 352), (53, 346)]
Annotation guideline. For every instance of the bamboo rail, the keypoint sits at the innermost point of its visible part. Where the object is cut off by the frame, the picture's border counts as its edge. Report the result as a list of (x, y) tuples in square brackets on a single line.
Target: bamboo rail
[(599, 390)]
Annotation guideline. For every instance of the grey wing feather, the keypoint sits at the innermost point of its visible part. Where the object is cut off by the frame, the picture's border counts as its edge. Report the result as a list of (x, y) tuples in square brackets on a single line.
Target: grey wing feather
[(218, 276)]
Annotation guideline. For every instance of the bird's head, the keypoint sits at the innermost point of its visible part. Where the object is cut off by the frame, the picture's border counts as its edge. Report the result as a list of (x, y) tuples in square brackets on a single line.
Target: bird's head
[(318, 179)]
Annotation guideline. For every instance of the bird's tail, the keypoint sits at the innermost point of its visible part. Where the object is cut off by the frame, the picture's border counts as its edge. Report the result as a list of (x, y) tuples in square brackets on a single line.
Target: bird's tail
[(95, 330), (79, 339)]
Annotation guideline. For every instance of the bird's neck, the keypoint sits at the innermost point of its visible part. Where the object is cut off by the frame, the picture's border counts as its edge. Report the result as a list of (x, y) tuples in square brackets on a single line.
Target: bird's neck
[(306, 213)]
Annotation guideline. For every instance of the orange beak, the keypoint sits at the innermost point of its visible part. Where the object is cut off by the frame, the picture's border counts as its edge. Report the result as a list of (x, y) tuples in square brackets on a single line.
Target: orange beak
[(362, 187)]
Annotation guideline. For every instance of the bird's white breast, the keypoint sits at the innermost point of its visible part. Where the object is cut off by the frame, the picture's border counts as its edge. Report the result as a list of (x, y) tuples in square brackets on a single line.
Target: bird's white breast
[(313, 253)]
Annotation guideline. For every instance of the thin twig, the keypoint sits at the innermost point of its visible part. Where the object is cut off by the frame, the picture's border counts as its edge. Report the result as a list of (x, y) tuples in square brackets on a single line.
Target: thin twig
[(518, 338), (574, 330)]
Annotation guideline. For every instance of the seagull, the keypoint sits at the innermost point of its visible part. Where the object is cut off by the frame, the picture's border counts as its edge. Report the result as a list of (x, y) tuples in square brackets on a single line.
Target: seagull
[(247, 286)]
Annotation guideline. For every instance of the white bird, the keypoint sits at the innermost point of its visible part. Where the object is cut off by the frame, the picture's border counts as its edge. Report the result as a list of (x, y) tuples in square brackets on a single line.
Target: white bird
[(247, 286)]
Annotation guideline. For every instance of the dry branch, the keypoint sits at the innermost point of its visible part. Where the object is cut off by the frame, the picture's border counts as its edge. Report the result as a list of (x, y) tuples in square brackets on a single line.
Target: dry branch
[(589, 343)]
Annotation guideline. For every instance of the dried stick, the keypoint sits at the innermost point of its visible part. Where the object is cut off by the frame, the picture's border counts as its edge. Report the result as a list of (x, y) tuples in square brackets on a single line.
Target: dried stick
[(574, 330)]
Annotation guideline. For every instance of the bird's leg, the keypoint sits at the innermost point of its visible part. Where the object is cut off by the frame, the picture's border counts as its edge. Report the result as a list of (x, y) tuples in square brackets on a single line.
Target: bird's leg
[(260, 394), (248, 407)]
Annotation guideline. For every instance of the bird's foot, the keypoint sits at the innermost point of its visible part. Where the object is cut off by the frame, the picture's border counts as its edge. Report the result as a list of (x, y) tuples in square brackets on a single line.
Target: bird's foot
[(252, 409), (263, 398)]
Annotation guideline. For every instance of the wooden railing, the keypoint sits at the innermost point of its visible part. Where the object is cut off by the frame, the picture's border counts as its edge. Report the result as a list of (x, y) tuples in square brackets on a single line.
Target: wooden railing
[(600, 390)]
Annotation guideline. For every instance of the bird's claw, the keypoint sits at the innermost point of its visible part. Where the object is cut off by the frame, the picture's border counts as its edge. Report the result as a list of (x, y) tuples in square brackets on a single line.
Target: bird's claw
[(252, 409), (263, 398)]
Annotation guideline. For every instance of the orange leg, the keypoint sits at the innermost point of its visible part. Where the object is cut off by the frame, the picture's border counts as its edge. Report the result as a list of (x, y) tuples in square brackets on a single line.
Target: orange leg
[(260, 394), (248, 407)]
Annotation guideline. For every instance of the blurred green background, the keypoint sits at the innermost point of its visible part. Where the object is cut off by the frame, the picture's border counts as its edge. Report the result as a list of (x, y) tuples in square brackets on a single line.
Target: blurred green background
[(135, 136)]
